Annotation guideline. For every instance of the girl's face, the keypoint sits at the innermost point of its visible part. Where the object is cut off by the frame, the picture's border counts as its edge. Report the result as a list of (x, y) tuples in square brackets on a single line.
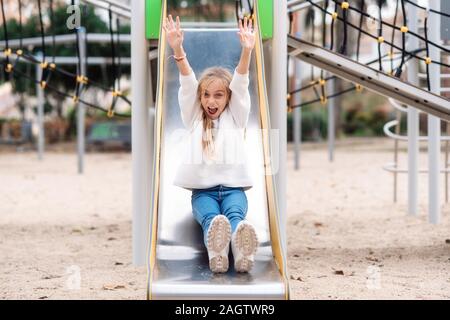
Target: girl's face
[(214, 98)]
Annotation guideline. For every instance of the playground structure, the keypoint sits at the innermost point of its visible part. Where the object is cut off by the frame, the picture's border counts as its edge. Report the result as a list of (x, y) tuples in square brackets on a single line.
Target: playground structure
[(390, 84), (14, 53), (177, 266), (165, 277)]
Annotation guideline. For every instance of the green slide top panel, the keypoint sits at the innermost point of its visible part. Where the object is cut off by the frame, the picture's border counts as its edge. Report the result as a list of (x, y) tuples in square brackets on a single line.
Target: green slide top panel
[(152, 18), (265, 13)]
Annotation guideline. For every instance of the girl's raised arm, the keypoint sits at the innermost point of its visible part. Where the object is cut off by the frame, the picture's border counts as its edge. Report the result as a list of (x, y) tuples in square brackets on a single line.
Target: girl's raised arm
[(240, 102), (175, 37), (247, 37)]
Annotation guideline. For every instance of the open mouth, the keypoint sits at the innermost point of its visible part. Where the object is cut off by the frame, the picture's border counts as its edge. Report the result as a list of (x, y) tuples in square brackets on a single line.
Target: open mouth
[(212, 111)]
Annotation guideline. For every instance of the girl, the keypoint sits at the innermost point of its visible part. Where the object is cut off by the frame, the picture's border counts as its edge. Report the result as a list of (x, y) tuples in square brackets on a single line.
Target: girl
[(215, 110)]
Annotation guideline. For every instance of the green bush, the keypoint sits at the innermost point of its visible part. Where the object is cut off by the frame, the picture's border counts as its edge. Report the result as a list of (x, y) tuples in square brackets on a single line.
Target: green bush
[(314, 124), (363, 114)]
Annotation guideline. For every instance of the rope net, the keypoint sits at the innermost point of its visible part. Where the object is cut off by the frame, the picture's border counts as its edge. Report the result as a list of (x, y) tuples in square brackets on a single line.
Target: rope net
[(51, 70), (397, 55)]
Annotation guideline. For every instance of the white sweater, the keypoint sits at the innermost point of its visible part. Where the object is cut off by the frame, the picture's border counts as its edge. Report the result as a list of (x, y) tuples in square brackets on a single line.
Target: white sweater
[(228, 167)]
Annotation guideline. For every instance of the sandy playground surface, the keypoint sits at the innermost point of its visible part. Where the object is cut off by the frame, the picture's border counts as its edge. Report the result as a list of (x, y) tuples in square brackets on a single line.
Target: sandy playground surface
[(346, 237)]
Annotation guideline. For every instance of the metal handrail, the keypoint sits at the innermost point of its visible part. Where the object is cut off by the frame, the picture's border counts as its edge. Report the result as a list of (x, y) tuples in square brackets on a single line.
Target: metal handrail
[(392, 123), (398, 106), (112, 3), (125, 13), (296, 5), (392, 167), (65, 38)]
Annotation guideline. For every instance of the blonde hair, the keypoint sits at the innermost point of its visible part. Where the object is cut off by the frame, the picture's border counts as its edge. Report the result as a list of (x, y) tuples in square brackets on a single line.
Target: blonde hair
[(208, 76)]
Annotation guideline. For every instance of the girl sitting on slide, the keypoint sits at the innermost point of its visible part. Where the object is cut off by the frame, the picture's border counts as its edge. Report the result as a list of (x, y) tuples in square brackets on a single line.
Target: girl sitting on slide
[(215, 109)]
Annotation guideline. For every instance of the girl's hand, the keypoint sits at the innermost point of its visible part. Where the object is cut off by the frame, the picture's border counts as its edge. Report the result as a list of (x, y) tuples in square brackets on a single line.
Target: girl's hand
[(175, 35), (247, 35)]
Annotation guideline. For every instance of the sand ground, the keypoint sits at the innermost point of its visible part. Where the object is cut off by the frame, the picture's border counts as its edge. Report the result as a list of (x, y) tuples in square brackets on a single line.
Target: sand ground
[(68, 236)]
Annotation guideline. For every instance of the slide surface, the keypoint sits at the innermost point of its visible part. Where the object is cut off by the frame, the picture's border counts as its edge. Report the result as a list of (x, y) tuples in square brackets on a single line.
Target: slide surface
[(178, 261)]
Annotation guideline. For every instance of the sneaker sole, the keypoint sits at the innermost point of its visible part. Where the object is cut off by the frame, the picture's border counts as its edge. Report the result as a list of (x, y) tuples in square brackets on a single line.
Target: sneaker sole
[(219, 236), (247, 244)]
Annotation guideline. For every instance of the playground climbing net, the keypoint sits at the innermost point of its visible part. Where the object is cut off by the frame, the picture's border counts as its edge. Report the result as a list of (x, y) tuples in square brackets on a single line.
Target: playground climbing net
[(49, 68), (339, 14)]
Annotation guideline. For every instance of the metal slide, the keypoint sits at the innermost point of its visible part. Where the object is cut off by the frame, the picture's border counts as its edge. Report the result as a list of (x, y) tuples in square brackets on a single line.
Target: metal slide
[(370, 78), (178, 262)]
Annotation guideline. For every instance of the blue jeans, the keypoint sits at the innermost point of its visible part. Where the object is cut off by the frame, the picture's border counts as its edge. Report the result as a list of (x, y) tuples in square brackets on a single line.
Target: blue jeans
[(208, 203)]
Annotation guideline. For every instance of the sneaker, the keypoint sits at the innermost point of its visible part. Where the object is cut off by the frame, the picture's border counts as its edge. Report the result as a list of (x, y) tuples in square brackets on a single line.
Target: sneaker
[(244, 244), (218, 244)]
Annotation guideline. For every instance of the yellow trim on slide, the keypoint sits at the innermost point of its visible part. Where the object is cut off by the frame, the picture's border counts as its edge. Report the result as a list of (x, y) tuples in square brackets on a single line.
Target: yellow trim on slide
[(265, 126), (157, 149), (270, 187)]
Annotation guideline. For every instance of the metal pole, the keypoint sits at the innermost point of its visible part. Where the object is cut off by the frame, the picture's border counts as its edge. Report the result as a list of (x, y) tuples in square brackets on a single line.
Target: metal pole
[(413, 118), (447, 145), (81, 109), (141, 133), (299, 25), (398, 117), (278, 115), (297, 118), (331, 108), (434, 124), (40, 108)]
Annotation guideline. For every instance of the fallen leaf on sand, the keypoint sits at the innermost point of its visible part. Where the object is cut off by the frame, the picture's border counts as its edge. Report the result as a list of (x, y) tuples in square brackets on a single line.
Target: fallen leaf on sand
[(372, 259), (51, 277), (113, 227), (296, 278), (318, 224), (113, 286)]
